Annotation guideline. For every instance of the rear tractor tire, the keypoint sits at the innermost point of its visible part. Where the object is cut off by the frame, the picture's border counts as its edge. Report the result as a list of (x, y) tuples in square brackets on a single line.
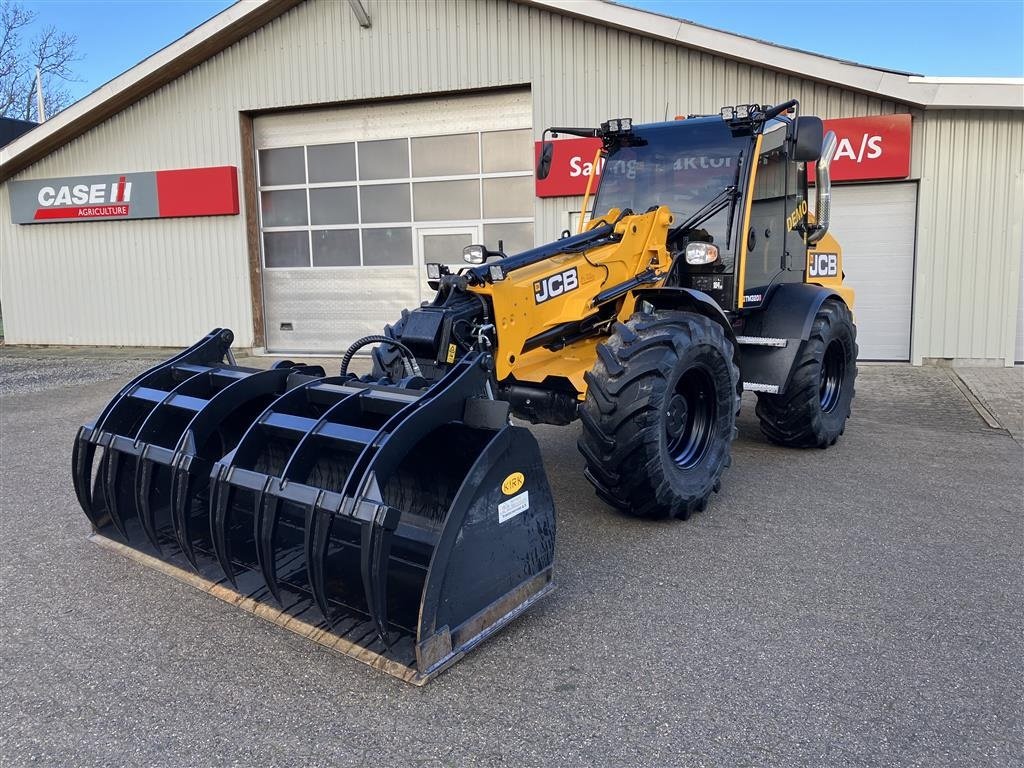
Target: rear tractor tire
[(660, 414), (812, 412)]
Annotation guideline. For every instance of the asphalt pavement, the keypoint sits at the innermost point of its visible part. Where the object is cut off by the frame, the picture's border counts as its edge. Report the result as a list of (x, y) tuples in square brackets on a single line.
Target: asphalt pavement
[(859, 606)]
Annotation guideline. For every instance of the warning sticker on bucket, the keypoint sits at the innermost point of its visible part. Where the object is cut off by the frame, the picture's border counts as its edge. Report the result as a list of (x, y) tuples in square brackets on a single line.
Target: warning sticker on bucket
[(509, 509)]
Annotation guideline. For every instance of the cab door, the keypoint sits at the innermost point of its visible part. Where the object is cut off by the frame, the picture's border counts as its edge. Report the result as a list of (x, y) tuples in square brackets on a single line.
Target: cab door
[(775, 247)]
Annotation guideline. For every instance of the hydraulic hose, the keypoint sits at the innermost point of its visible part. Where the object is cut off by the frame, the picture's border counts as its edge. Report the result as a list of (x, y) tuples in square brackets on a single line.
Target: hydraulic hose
[(412, 368)]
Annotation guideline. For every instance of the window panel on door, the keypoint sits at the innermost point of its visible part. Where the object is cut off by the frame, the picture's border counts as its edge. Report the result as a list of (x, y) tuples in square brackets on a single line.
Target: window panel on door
[(357, 208), (446, 200), (387, 159), (387, 246), (445, 248), (515, 238), (335, 247), (767, 233), (507, 151), (332, 162), (286, 249), (286, 165), (509, 197), (452, 155), (384, 203), (333, 205), (284, 208)]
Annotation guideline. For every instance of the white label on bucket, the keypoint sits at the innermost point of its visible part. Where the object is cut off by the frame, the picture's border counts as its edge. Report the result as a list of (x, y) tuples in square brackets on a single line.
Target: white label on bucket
[(509, 509)]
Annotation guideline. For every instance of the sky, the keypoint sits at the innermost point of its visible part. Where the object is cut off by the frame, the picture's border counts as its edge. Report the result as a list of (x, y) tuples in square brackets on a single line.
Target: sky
[(929, 37)]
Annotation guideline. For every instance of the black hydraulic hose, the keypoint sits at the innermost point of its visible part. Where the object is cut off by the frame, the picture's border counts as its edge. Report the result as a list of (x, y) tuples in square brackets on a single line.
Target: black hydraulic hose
[(412, 368)]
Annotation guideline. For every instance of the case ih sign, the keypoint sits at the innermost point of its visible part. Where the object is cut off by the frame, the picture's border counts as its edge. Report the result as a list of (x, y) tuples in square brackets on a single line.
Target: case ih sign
[(146, 195), (869, 148)]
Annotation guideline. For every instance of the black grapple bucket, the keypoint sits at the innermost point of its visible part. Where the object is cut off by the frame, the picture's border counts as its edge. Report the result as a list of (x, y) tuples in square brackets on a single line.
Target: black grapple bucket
[(398, 526)]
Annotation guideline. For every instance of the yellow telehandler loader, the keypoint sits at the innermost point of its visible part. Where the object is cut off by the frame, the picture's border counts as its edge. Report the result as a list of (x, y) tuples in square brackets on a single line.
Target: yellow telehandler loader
[(402, 516)]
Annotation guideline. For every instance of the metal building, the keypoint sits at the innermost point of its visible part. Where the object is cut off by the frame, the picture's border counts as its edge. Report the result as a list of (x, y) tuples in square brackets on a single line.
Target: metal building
[(286, 168)]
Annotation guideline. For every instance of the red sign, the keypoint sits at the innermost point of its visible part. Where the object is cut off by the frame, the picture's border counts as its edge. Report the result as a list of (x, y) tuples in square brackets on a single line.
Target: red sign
[(869, 148), (198, 192), (142, 195), (570, 167), (876, 147)]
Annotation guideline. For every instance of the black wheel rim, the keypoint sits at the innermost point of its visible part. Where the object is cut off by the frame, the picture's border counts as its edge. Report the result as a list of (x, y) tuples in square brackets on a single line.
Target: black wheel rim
[(833, 370), (690, 418)]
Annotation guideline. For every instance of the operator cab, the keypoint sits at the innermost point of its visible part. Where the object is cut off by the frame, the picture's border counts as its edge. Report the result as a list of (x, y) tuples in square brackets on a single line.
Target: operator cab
[(736, 184)]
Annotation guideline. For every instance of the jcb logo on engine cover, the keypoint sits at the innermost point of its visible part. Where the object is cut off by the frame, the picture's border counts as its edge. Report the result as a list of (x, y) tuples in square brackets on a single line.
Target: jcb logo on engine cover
[(822, 264), (555, 285)]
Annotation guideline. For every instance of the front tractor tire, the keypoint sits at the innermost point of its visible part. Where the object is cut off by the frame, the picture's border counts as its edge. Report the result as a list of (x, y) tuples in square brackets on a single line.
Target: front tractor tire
[(660, 414), (812, 412)]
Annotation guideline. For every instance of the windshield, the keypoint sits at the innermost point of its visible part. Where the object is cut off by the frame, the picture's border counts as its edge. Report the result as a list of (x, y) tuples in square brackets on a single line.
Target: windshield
[(683, 165)]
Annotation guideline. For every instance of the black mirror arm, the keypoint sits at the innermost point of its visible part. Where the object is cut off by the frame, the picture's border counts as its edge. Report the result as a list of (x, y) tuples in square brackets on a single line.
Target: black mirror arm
[(586, 133)]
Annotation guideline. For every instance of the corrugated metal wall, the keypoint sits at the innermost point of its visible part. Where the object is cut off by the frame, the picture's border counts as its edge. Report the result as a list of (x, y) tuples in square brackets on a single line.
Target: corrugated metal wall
[(969, 234), (164, 282)]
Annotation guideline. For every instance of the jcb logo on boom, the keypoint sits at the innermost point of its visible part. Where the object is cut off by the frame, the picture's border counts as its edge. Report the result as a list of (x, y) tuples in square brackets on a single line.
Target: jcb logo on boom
[(822, 264), (555, 285)]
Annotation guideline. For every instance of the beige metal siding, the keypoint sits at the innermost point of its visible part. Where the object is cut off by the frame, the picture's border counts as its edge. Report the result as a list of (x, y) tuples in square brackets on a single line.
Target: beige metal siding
[(971, 214), (165, 282)]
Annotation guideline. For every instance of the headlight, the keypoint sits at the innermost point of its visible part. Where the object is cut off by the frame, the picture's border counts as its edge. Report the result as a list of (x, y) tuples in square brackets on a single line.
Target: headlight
[(497, 273), (701, 253), (433, 271), (474, 254)]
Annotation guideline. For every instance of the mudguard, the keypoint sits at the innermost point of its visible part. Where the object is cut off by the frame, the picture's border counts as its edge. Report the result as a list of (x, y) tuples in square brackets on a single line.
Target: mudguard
[(774, 334)]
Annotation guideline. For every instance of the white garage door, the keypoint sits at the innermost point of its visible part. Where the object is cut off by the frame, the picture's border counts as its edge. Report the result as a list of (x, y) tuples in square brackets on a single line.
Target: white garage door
[(875, 226), (354, 201)]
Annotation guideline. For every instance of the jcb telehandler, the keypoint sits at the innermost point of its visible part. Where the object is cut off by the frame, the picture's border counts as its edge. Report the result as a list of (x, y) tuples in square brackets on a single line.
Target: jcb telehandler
[(401, 517)]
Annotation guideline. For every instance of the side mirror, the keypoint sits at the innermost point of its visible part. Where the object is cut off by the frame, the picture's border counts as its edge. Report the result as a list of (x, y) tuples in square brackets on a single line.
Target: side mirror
[(474, 254), (823, 189), (547, 151), (807, 144)]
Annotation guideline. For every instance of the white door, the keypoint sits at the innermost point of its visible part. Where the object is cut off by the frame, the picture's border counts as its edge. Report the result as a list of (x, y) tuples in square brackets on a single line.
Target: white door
[(442, 245), (875, 225)]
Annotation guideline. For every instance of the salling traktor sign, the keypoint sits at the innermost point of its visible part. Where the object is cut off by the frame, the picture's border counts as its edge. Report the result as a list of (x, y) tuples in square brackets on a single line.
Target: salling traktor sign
[(145, 195)]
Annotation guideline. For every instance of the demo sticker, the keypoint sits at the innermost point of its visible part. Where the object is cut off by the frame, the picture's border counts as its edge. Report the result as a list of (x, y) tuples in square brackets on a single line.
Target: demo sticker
[(514, 506)]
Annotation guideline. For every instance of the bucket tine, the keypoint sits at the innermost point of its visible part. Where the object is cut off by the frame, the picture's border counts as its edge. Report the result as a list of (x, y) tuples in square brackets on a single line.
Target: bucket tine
[(220, 514), (143, 486), (181, 503), (317, 535), (81, 465), (113, 468), (264, 526), (376, 549)]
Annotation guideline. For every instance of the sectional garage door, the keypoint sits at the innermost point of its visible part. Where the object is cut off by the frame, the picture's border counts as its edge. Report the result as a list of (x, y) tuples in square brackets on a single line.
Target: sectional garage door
[(875, 224), (354, 201)]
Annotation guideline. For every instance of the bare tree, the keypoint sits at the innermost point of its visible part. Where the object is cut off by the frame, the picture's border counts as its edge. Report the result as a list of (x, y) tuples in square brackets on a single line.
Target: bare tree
[(51, 51)]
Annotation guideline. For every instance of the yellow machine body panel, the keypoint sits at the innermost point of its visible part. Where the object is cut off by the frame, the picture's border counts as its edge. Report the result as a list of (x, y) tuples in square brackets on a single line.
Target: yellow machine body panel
[(560, 290), (825, 268)]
